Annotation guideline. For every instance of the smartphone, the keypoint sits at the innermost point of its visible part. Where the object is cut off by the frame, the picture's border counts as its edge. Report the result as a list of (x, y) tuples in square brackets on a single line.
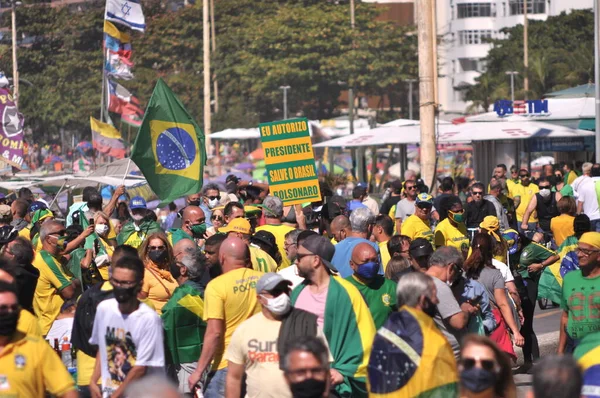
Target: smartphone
[(91, 221), (476, 300)]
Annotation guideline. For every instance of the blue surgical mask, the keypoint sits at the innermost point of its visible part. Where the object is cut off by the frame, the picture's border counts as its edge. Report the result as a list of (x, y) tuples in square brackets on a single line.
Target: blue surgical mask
[(368, 270)]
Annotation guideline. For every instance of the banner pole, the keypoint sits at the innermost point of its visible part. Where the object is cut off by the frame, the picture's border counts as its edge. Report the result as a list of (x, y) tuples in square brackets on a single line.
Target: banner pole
[(126, 171)]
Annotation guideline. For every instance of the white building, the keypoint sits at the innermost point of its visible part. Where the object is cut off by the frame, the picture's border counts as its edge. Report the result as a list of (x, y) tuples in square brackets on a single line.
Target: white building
[(464, 24)]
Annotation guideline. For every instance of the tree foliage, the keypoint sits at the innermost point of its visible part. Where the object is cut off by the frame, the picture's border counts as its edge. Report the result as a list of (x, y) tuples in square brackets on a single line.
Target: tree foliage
[(561, 55)]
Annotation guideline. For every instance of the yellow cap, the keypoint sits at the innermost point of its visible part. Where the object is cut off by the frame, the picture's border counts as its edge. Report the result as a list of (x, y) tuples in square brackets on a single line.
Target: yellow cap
[(239, 224)]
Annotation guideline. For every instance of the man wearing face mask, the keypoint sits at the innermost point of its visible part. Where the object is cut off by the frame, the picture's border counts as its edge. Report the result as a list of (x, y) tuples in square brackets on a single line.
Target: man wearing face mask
[(444, 264), (53, 286), (182, 320), (452, 231), (393, 373), (134, 232), (378, 292), (28, 365), (544, 204), (128, 333), (211, 198), (306, 368), (193, 226), (257, 342)]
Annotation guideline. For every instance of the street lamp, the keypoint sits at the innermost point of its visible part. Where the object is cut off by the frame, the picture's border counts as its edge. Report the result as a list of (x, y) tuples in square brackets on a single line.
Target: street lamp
[(410, 97), (512, 84), (285, 109)]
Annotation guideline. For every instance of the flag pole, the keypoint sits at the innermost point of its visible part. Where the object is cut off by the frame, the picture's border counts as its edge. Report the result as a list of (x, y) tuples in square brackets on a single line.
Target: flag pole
[(126, 171), (103, 88)]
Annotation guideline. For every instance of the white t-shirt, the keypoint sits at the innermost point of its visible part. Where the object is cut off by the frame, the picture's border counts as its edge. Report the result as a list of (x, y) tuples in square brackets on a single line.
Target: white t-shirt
[(587, 194), (125, 341), (291, 274), (504, 270), (60, 328)]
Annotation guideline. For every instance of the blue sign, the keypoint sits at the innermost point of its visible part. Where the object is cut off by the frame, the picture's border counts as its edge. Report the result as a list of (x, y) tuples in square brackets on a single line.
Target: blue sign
[(529, 107), (556, 144)]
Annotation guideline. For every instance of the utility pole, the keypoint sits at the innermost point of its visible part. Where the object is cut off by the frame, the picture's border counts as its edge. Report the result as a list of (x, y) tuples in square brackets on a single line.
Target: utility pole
[(426, 90), (512, 84), (214, 49), (285, 108), (13, 14), (351, 96), (410, 97), (525, 50), (597, 73), (434, 51), (206, 62)]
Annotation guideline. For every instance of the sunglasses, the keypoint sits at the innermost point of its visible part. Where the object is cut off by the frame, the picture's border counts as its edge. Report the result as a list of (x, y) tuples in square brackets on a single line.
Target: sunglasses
[(469, 363), (545, 187), (300, 256), (411, 188), (218, 197), (524, 176), (151, 248), (216, 218), (477, 193)]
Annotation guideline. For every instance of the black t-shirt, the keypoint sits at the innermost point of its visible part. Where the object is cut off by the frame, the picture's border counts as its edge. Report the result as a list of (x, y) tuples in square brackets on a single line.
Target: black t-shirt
[(388, 204), (27, 278)]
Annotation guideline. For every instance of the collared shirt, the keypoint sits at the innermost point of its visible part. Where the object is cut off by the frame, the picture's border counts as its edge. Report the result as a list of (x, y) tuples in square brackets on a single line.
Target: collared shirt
[(29, 367)]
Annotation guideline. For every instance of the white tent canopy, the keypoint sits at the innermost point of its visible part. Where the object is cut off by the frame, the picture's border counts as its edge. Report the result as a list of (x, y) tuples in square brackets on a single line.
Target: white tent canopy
[(69, 181)]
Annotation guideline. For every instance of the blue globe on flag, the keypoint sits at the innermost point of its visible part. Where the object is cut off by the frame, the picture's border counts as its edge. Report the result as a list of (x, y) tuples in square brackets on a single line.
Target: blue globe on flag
[(175, 149)]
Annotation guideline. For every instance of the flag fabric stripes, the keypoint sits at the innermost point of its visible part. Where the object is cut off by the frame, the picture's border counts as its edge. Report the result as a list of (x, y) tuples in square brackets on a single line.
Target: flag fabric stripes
[(118, 66), (106, 139), (587, 354), (126, 12), (117, 41)]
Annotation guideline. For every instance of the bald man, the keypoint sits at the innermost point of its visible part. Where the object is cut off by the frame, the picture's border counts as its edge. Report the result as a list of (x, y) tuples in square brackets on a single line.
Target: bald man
[(340, 228), (193, 226), (378, 292), (229, 300)]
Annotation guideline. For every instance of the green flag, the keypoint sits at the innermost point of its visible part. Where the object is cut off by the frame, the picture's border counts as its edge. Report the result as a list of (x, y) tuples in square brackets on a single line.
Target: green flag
[(169, 148)]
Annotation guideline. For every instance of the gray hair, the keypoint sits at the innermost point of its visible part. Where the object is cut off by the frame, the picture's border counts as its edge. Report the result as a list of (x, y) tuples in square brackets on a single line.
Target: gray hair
[(46, 229), (210, 186), (408, 174), (444, 256), (195, 263), (411, 287), (310, 344), (151, 387), (274, 207), (293, 235), (360, 219)]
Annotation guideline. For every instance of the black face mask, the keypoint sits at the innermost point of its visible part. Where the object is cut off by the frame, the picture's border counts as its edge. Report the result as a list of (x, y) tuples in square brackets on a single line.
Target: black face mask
[(157, 256), (8, 323), (309, 388), (124, 294), (194, 203), (175, 270)]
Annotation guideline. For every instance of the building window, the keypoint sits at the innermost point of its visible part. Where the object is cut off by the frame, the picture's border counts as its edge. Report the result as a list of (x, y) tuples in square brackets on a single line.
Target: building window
[(475, 10), (533, 7), (468, 37)]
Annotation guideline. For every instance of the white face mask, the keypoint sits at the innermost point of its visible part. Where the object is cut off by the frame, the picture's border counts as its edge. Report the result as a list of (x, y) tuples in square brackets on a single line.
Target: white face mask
[(101, 229), (279, 305), (213, 203), (545, 192)]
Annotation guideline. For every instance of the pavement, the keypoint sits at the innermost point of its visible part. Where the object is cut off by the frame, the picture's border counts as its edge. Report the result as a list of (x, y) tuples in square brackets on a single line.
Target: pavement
[(546, 325)]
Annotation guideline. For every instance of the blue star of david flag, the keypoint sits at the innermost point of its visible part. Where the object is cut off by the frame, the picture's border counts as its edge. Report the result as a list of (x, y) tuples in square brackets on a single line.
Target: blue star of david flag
[(169, 148), (126, 12)]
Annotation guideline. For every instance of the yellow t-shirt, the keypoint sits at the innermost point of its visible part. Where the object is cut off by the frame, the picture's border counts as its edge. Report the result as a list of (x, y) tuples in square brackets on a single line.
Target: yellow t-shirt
[(571, 177), (526, 193), (156, 291), (85, 368), (25, 232), (279, 232), (510, 186), (385, 254), (46, 299), (254, 346), (562, 227), (29, 367), (447, 234), (262, 261), (415, 228), (232, 298), (28, 324), (135, 239)]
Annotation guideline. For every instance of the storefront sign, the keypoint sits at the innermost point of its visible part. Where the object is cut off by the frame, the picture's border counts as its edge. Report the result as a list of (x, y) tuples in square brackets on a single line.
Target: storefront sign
[(525, 108)]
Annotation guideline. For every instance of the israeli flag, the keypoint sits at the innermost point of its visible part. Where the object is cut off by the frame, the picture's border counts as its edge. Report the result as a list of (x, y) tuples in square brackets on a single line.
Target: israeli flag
[(126, 12)]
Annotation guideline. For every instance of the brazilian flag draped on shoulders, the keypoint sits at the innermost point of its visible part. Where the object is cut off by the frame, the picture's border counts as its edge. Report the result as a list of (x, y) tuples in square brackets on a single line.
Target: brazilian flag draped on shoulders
[(587, 355), (410, 357), (169, 148), (184, 327), (551, 280), (349, 329)]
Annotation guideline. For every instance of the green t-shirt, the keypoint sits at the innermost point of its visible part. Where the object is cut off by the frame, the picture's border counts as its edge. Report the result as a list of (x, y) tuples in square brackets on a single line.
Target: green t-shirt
[(533, 253), (380, 296), (581, 299)]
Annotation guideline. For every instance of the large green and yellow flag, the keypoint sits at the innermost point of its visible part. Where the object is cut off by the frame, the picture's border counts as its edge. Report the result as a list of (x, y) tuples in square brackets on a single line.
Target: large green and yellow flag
[(169, 148)]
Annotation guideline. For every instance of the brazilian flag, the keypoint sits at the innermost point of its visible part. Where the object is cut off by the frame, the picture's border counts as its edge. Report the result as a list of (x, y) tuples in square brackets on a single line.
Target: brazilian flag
[(169, 148), (587, 355)]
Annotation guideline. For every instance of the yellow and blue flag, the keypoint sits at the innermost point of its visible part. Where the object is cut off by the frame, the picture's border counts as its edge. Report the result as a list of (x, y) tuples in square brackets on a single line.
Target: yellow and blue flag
[(410, 357), (587, 355), (169, 148)]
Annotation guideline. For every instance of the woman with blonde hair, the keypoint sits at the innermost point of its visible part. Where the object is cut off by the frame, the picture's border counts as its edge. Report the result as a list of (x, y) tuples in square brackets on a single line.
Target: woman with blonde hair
[(105, 245), (159, 284), (484, 370)]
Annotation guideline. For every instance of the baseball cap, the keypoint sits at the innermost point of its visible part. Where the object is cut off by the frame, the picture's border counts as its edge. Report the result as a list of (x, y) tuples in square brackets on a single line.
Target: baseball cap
[(37, 205), (270, 281), (232, 178), (424, 198), (265, 237), (335, 206), (322, 247), (239, 224), (137, 202), (363, 185), (420, 247), (5, 211)]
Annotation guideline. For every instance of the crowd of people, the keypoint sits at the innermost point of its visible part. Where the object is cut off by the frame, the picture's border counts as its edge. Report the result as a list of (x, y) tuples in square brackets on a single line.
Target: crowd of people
[(237, 295)]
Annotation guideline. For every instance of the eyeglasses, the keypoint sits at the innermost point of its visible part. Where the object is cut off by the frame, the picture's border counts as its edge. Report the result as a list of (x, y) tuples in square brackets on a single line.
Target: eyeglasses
[(477, 193), (411, 187), (587, 252), (218, 197), (524, 176), (300, 256), (151, 248), (469, 363), (286, 245), (216, 218), (119, 283), (10, 309), (545, 187)]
